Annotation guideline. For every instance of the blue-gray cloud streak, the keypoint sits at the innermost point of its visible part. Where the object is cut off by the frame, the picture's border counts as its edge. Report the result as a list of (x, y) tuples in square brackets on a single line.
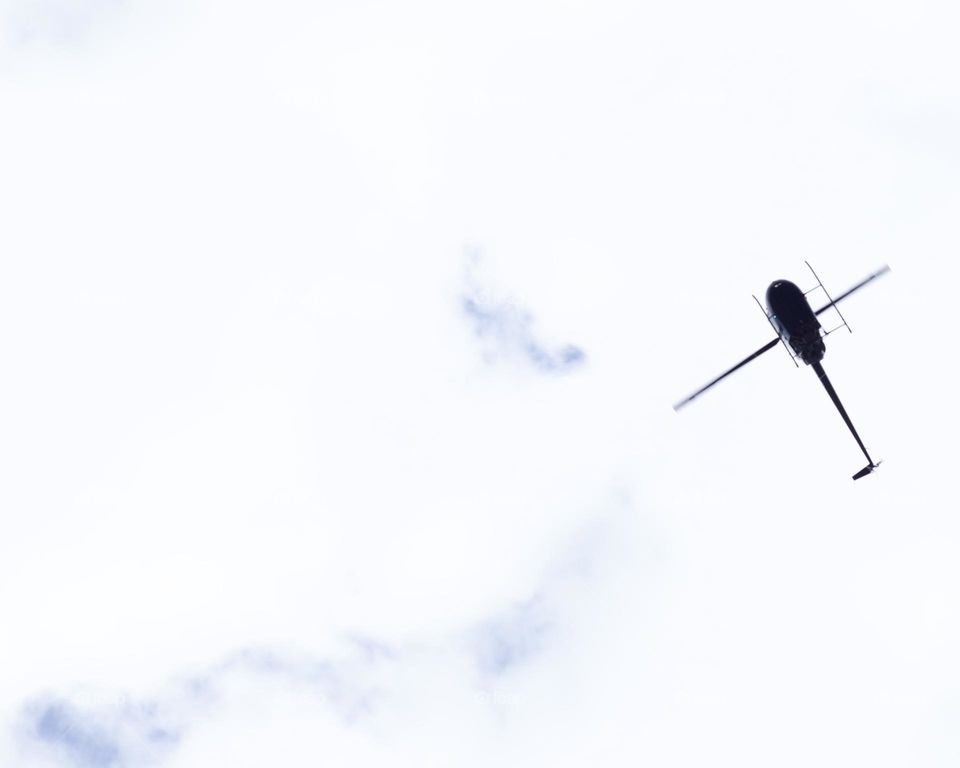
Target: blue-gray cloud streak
[(112, 737), (508, 332), (55, 21), (125, 733), (145, 733), (506, 642), (76, 735)]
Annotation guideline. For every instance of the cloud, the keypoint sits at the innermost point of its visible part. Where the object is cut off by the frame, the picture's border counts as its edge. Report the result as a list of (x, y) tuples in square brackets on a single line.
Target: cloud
[(97, 736), (183, 723), (368, 696), (56, 21), (366, 686), (80, 737), (98, 730), (508, 641), (507, 332), (344, 683)]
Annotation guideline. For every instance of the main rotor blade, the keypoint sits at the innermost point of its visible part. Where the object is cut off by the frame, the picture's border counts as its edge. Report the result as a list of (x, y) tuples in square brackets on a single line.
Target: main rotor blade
[(724, 375), (882, 271)]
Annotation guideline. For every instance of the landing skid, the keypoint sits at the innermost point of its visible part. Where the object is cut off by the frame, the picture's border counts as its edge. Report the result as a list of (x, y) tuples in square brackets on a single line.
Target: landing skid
[(831, 305), (770, 320)]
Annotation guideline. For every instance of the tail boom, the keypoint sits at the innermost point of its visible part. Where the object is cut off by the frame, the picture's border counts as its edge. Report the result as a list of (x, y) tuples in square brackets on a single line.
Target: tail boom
[(822, 375)]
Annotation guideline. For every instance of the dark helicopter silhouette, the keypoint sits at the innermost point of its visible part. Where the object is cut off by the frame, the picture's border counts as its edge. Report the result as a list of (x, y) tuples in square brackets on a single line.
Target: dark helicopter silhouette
[(797, 325)]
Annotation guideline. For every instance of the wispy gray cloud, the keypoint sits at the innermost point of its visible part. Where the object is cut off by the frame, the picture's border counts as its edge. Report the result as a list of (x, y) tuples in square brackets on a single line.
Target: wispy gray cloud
[(123, 733), (79, 736), (363, 696), (98, 737), (61, 22), (516, 637), (342, 683), (356, 687), (361, 684), (508, 332)]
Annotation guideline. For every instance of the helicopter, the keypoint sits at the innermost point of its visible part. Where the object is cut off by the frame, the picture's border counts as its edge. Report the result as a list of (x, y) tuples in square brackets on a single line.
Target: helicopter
[(799, 330)]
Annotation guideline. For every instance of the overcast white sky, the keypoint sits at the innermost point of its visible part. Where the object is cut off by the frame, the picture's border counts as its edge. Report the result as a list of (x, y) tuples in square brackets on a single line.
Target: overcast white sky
[(337, 349)]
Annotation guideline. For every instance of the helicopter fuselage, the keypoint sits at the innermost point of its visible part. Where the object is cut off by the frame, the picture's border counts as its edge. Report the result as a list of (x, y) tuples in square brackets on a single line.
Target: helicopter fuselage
[(795, 321), (799, 330)]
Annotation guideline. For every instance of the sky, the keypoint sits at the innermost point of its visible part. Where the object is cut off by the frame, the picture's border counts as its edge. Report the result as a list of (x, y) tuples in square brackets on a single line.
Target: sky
[(338, 344)]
